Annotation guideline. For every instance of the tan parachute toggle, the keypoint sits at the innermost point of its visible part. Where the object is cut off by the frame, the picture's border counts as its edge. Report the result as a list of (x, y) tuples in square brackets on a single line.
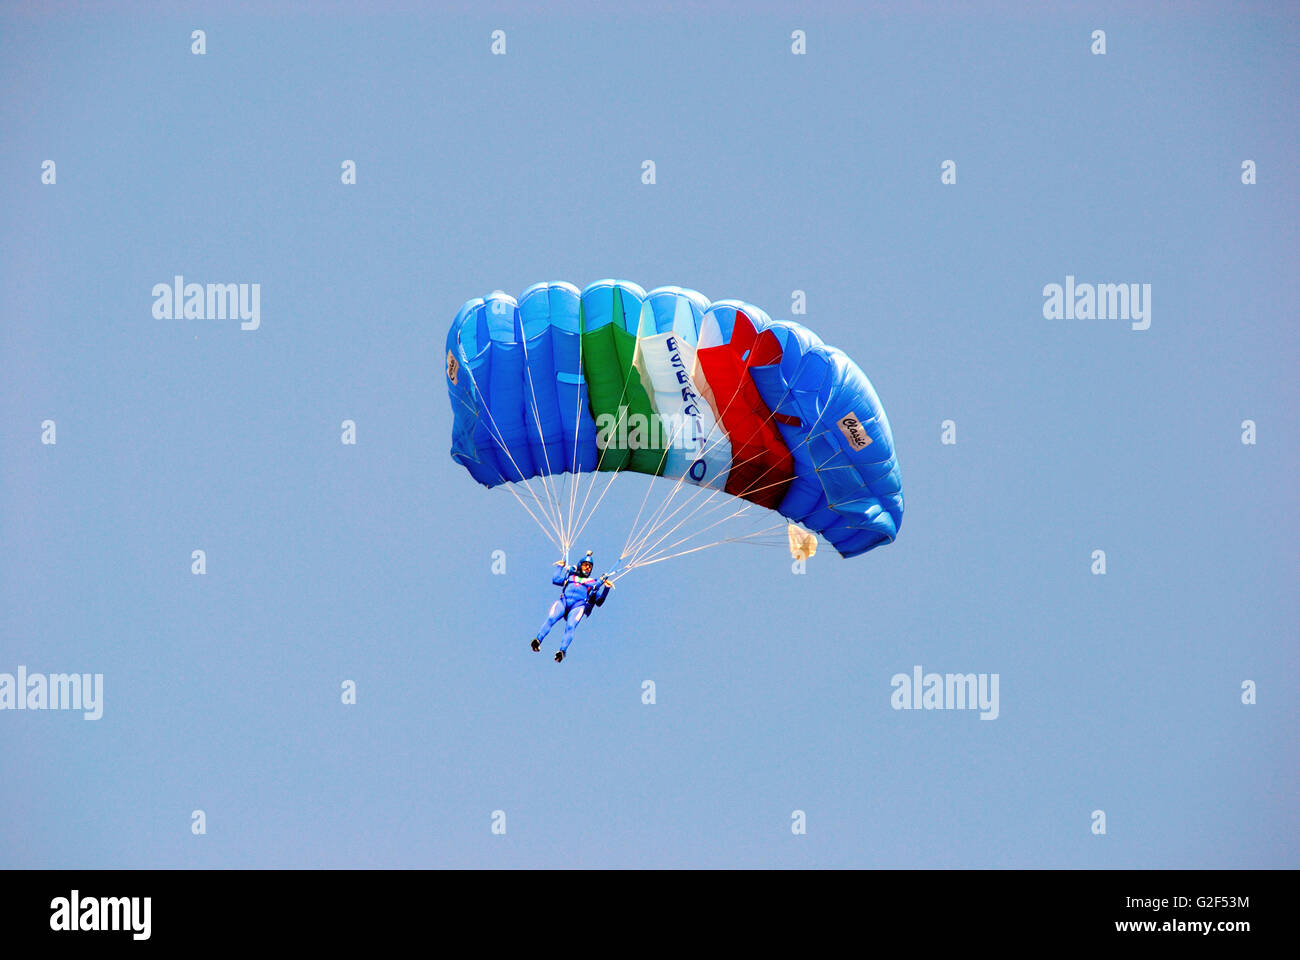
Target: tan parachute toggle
[(803, 544)]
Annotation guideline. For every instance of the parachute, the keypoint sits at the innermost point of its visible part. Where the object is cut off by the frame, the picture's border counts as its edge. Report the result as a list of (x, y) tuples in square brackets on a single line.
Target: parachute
[(717, 398)]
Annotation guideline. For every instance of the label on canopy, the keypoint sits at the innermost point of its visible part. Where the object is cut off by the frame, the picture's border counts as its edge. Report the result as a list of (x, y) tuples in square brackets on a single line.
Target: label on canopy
[(453, 367), (851, 427)]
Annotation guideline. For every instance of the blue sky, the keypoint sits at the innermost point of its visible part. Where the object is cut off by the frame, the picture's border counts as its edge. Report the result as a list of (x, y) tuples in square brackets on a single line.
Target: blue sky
[(775, 173)]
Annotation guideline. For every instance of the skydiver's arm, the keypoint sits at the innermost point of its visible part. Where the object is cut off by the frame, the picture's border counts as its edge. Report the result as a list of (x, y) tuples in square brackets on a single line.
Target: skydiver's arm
[(602, 591), (562, 574)]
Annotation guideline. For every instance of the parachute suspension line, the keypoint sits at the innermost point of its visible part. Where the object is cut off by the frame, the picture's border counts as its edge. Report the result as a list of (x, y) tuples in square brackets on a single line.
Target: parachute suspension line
[(499, 437), (613, 475), (552, 495), (669, 554), (652, 548), (511, 486), (701, 506), (738, 512), (574, 479), (698, 511), (642, 551), (670, 549), (638, 547), (656, 523), (635, 534), (590, 487), (654, 553), (682, 479), (632, 530), (622, 412), (747, 538)]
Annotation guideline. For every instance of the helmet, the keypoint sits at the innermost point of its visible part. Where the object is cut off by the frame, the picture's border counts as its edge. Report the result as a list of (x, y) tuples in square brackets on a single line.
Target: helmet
[(587, 560)]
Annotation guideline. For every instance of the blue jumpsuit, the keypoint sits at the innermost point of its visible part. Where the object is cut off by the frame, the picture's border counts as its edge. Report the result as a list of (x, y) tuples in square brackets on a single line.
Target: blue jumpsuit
[(578, 595)]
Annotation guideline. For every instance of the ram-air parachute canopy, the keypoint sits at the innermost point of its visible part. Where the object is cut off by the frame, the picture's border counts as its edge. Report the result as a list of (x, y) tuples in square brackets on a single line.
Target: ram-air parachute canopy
[(717, 397)]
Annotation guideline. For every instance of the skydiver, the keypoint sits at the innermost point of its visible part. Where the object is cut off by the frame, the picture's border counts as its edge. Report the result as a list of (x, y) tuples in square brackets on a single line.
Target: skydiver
[(580, 593)]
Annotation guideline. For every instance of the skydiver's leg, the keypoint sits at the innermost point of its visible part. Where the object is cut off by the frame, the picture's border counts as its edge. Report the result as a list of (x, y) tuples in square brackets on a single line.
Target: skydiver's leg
[(556, 615), (571, 625)]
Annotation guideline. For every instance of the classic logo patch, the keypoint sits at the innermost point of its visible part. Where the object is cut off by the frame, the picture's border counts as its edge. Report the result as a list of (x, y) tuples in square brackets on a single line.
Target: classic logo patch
[(851, 427), (453, 367)]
